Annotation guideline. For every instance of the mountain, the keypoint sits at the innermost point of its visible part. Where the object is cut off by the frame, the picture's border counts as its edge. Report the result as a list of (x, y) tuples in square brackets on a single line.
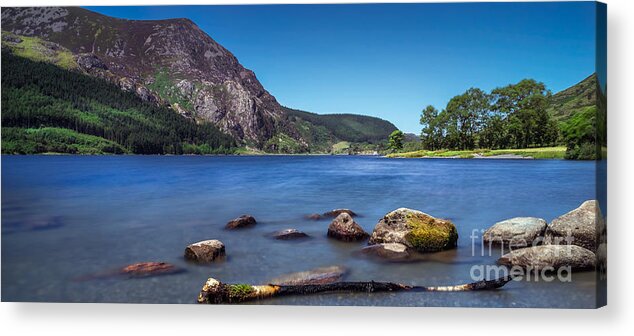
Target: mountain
[(46, 108), (322, 131), (564, 104), (169, 62), (581, 111), (172, 63)]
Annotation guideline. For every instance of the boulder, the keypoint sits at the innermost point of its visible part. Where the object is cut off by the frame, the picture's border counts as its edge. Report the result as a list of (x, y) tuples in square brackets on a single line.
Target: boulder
[(289, 234), (147, 269), (345, 228), (515, 232), (415, 229), (314, 216), (555, 256), (90, 61), (337, 212), (388, 251), (583, 225), (205, 251), (317, 276), (241, 222)]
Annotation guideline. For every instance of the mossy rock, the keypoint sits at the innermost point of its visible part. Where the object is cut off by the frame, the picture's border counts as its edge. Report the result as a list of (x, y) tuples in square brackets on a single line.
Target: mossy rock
[(415, 229)]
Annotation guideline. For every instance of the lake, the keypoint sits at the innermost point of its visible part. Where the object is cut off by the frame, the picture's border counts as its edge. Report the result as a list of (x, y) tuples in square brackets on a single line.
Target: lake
[(111, 211)]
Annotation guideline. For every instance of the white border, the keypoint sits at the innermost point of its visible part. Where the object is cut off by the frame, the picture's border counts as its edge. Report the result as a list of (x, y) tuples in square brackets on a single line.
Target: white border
[(617, 318)]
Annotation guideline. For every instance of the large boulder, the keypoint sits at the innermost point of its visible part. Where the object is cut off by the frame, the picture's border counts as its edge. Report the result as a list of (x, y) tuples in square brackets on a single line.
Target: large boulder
[(515, 232), (388, 251), (205, 251), (583, 225), (415, 229), (554, 256), (345, 228), (317, 276), (241, 222), (147, 269), (289, 234)]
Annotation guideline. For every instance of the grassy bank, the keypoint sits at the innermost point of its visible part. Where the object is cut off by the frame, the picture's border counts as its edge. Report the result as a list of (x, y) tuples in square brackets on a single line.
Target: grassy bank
[(536, 153)]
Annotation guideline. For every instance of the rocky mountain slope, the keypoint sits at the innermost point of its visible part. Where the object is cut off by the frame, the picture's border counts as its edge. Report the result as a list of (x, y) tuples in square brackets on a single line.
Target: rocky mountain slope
[(164, 61)]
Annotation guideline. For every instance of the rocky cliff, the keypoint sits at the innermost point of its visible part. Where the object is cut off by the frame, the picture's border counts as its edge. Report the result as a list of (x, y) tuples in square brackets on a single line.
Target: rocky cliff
[(166, 61)]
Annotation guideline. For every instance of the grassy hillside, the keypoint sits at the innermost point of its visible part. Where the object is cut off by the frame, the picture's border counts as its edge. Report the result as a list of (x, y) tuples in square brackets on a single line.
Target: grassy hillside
[(564, 104), (324, 131), (535, 153), (49, 109)]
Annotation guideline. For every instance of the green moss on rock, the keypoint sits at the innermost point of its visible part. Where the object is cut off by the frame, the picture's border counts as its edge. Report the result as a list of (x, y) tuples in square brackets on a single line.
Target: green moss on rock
[(429, 234), (415, 229)]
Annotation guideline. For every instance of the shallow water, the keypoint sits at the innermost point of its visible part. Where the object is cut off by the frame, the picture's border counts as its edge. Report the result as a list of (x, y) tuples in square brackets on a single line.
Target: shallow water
[(116, 210)]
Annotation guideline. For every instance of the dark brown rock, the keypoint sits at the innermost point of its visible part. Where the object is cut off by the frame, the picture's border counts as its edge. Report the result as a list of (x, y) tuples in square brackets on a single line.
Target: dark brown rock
[(289, 234), (314, 216), (241, 222), (147, 269), (205, 251), (345, 228), (337, 212)]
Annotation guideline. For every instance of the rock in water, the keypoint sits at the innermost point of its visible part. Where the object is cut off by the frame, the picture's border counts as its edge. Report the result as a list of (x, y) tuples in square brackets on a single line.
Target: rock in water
[(337, 212), (345, 228), (583, 225), (415, 229), (317, 276), (555, 256), (289, 234), (314, 216), (146, 269), (241, 222), (388, 251), (516, 232), (205, 251)]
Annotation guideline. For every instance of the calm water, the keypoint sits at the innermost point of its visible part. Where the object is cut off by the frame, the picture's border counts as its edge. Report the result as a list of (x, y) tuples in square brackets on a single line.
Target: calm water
[(113, 211)]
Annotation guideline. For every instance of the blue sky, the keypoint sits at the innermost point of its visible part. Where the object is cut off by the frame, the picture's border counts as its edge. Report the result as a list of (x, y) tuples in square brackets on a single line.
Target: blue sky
[(390, 61)]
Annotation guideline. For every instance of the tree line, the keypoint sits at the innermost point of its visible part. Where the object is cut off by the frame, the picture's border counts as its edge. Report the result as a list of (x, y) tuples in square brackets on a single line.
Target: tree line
[(38, 95), (513, 116)]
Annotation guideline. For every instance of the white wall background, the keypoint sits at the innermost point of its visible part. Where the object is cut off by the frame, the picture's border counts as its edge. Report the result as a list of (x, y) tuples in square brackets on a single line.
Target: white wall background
[(616, 318)]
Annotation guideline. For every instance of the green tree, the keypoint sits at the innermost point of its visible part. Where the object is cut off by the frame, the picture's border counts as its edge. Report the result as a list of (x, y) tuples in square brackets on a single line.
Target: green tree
[(523, 105), (396, 140), (432, 132), (465, 114)]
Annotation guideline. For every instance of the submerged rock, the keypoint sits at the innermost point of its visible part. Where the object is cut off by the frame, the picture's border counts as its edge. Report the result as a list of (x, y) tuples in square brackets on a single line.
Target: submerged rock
[(241, 222), (337, 212), (516, 232), (552, 256), (205, 251), (415, 229), (317, 276), (314, 216), (388, 251), (289, 234), (583, 225), (147, 269), (345, 228)]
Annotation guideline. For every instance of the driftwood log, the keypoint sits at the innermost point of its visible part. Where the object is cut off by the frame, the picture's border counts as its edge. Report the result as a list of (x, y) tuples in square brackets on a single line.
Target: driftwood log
[(216, 292)]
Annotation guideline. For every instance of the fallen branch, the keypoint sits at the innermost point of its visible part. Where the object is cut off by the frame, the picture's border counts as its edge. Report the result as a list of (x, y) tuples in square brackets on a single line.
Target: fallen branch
[(216, 292)]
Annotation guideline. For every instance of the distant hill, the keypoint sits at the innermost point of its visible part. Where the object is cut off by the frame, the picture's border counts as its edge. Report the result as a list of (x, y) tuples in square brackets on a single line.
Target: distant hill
[(564, 104), (323, 130)]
